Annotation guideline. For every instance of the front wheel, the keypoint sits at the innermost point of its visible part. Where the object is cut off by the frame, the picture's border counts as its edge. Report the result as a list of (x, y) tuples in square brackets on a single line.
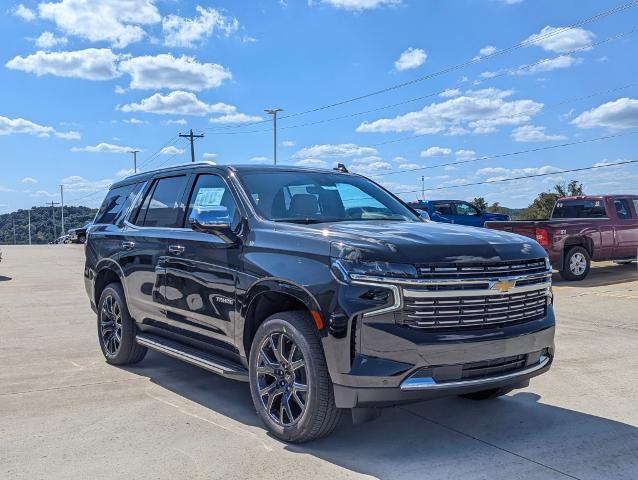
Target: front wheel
[(576, 265), (289, 380)]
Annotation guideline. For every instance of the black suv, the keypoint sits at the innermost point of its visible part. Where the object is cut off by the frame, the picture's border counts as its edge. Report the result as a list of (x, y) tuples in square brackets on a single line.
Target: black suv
[(320, 288)]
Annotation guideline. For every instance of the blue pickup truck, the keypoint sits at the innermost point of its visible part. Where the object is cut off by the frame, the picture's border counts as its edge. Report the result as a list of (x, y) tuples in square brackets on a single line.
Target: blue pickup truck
[(457, 211)]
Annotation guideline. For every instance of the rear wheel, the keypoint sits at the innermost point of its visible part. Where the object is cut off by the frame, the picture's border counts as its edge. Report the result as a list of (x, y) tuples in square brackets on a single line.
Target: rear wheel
[(289, 380), (116, 328), (487, 394), (576, 265), (81, 238)]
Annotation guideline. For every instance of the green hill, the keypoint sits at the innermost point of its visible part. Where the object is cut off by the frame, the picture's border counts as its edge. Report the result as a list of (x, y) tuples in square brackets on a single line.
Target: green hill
[(41, 223)]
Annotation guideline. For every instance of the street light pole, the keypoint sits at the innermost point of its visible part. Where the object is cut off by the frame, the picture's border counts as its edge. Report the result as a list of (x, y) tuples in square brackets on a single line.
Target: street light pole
[(273, 112), (62, 206), (134, 152), (29, 216)]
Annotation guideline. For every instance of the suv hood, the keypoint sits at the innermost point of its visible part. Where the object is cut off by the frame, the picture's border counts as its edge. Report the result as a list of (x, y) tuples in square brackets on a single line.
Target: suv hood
[(415, 242)]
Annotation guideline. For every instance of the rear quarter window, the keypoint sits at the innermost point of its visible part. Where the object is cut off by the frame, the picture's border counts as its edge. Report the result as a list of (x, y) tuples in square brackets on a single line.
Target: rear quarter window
[(116, 203)]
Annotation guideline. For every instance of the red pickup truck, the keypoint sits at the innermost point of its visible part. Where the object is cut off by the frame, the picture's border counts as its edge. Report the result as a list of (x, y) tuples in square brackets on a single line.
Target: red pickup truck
[(582, 229)]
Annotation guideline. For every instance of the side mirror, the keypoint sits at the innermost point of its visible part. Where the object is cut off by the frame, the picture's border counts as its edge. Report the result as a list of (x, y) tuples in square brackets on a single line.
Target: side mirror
[(215, 220)]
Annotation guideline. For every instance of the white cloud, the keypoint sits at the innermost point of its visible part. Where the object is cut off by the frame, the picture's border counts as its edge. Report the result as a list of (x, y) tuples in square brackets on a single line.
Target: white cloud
[(500, 173), (171, 150), (119, 90), (167, 71), (436, 152), (621, 113), (511, 2), (409, 166), (114, 21), (12, 126), (562, 40), (75, 183), (450, 92), (48, 40), (135, 121), (488, 50), (359, 5), (465, 154), (410, 58), (260, 159), (29, 180), (126, 172), (236, 118), (89, 64), (287, 143), (209, 155), (532, 133), (312, 162), (24, 13), (369, 166), (480, 110), (179, 121), (177, 103), (104, 148), (188, 32), (549, 64), (340, 150)]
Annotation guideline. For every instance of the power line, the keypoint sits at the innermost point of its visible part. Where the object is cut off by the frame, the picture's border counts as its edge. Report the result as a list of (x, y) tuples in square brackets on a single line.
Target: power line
[(509, 154), (151, 157), (523, 177), (606, 13), (619, 8)]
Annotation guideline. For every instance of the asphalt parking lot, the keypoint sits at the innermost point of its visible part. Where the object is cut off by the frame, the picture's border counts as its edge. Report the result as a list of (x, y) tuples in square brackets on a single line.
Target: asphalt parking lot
[(65, 413)]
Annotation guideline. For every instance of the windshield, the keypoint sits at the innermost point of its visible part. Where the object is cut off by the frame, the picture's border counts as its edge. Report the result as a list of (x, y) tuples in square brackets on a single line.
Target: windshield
[(315, 197), (579, 209)]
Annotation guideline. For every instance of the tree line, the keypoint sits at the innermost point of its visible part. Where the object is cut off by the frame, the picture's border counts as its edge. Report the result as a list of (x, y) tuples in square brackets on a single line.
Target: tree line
[(43, 220), (540, 208)]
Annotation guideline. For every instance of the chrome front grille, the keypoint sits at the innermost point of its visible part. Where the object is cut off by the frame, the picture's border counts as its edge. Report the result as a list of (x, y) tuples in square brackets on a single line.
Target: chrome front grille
[(481, 270), (473, 311)]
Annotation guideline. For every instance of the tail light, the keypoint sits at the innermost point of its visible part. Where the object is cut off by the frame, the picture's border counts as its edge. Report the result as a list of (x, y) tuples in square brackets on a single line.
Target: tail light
[(542, 236)]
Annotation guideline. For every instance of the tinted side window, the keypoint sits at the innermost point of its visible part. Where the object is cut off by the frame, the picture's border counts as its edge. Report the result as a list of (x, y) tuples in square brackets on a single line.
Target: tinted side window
[(635, 200), (466, 209), (211, 191), (579, 209), (163, 206), (622, 209), (117, 201), (443, 208)]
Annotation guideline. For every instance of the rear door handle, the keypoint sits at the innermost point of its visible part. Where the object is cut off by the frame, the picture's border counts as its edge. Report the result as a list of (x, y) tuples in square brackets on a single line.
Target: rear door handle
[(128, 245), (176, 249)]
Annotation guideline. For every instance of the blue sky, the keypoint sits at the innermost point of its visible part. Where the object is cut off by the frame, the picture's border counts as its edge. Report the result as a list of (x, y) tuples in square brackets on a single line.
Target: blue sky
[(85, 81)]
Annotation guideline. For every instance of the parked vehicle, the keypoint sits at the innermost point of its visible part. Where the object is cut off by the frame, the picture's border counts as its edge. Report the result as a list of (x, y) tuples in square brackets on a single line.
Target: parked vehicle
[(78, 235), (321, 289), (456, 211), (64, 239), (582, 229)]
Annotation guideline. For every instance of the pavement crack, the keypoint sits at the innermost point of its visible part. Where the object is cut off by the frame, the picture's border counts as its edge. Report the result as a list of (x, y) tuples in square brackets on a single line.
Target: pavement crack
[(66, 387), (485, 442)]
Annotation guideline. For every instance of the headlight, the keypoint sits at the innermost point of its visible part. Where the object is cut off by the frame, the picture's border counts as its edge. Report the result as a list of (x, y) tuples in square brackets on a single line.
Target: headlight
[(374, 269)]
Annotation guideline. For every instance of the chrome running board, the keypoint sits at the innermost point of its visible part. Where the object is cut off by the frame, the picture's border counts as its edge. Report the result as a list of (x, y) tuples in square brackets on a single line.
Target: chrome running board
[(428, 383), (199, 358)]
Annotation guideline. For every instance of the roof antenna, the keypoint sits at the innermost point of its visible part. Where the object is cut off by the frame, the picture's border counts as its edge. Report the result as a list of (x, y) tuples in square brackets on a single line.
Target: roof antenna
[(341, 168)]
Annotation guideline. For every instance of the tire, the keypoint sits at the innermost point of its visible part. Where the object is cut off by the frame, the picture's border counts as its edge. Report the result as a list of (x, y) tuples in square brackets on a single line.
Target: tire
[(81, 238), (319, 415), (487, 394), (112, 306), (576, 265)]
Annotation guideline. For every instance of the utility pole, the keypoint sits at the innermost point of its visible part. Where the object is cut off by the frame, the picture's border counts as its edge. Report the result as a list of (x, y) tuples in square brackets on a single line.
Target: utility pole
[(53, 205), (423, 187), (273, 112), (29, 216), (62, 206), (134, 152), (191, 137)]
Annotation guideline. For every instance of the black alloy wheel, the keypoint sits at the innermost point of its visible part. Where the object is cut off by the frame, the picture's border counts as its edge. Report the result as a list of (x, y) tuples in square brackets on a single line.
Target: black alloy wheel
[(111, 325), (282, 379)]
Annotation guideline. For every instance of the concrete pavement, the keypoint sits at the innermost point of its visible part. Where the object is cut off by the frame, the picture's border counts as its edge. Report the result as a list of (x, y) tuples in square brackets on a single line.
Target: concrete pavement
[(65, 413)]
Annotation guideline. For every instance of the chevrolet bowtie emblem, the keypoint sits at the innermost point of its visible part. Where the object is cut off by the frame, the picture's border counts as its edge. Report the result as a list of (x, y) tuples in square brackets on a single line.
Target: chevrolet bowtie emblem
[(503, 285)]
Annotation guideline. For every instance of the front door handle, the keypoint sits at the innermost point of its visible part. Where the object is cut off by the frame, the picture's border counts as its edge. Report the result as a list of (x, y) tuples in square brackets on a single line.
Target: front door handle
[(128, 245), (176, 249)]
